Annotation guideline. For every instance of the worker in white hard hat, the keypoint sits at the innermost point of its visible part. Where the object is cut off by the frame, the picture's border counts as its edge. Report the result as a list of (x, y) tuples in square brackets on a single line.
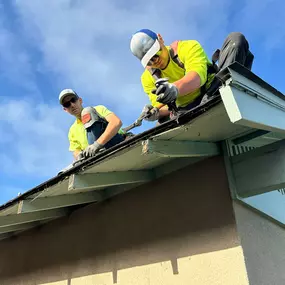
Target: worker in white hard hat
[(95, 128), (182, 72)]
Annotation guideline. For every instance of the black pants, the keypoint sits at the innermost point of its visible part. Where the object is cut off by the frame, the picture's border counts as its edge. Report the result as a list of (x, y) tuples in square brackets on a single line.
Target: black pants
[(235, 48)]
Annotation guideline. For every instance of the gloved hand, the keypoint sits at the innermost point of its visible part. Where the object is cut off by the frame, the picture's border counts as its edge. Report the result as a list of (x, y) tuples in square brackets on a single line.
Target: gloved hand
[(166, 92), (92, 149), (150, 113), (79, 158)]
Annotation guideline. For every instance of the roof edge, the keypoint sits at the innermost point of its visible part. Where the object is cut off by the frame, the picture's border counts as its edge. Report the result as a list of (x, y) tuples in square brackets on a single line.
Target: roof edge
[(224, 75), (180, 120)]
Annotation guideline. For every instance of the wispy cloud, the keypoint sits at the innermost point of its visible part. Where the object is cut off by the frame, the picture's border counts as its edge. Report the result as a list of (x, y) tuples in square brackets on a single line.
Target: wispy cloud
[(263, 22), (37, 136), (34, 144), (87, 45), (15, 60)]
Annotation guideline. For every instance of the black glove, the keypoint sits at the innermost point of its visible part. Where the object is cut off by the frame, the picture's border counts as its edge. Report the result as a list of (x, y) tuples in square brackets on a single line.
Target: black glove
[(166, 92)]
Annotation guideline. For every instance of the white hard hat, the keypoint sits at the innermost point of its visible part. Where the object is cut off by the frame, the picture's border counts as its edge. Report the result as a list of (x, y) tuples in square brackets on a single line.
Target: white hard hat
[(144, 45), (66, 92)]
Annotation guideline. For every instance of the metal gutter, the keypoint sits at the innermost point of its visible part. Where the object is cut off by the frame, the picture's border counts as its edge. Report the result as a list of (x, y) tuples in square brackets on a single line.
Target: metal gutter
[(225, 74)]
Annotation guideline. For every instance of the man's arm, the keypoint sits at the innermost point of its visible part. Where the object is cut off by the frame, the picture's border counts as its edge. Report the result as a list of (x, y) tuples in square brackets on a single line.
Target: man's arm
[(163, 111), (195, 62), (74, 145), (114, 125), (189, 83), (76, 153)]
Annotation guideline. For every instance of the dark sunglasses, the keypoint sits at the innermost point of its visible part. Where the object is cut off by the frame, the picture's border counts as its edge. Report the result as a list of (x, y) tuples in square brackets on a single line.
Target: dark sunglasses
[(68, 103), (154, 58)]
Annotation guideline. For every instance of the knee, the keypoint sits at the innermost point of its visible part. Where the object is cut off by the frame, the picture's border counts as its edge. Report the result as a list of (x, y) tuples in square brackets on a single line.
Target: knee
[(238, 38), (89, 116)]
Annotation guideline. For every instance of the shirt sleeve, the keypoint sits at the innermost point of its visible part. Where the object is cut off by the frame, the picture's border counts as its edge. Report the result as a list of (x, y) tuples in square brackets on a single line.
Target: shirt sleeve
[(194, 58), (73, 143), (148, 84), (103, 111)]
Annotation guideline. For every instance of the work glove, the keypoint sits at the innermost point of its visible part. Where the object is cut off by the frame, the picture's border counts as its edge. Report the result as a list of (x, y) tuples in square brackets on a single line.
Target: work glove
[(166, 92), (92, 149), (150, 113)]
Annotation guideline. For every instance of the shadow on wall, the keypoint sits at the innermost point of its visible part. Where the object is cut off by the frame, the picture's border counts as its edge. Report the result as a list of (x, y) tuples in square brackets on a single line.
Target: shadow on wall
[(186, 213)]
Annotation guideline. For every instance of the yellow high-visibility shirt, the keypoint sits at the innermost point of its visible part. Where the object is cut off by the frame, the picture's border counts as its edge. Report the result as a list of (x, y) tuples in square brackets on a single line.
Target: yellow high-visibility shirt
[(77, 134), (194, 58)]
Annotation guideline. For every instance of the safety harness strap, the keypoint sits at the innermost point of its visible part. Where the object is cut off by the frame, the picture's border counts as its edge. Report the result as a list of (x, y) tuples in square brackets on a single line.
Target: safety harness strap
[(211, 68)]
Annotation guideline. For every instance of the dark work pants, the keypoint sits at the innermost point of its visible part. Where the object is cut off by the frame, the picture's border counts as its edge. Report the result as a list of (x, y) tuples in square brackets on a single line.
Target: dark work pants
[(96, 130), (235, 48)]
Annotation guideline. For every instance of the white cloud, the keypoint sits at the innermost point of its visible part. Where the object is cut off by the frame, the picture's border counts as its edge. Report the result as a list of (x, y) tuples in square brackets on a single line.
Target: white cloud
[(87, 45), (37, 138), (263, 21), (15, 60)]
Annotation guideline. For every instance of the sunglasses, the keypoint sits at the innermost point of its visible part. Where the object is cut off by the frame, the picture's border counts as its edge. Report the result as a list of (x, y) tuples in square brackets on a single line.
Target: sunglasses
[(68, 103), (154, 58)]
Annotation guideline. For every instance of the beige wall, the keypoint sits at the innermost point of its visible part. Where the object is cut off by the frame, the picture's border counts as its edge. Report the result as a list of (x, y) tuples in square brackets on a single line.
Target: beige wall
[(263, 243), (176, 230)]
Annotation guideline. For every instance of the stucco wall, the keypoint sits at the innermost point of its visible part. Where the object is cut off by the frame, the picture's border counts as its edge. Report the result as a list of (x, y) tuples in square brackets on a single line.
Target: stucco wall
[(176, 230), (264, 247)]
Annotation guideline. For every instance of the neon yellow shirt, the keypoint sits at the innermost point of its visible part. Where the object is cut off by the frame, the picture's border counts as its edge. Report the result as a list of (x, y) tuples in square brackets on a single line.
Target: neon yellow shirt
[(77, 134), (194, 58)]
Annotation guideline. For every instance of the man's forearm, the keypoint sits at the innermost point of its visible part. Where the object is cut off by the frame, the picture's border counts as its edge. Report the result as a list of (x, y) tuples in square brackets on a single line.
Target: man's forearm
[(189, 83), (111, 130), (76, 153), (163, 112)]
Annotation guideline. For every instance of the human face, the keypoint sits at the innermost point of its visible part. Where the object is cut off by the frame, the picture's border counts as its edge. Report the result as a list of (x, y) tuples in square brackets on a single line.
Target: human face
[(160, 59), (72, 105)]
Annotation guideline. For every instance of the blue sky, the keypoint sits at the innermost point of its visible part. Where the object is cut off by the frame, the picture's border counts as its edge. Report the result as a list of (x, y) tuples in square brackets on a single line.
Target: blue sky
[(49, 45), (272, 203)]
